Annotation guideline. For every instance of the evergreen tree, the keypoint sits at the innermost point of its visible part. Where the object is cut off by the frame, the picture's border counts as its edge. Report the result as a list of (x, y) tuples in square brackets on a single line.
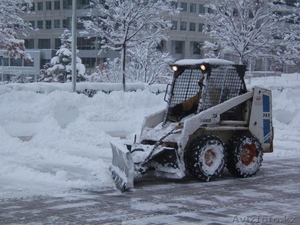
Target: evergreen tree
[(60, 69)]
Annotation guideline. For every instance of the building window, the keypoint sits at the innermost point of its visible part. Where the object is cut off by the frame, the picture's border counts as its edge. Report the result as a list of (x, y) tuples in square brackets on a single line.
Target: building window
[(210, 11), (5, 61), (174, 4), (192, 26), (29, 43), (201, 9), (193, 7), (67, 4), (89, 62), (44, 43), (200, 27), (40, 24), (56, 23), (40, 5), (32, 7), (80, 24), (48, 5), (174, 26), (24, 6), (57, 43), (85, 43), (195, 48), (177, 47), (15, 62), (48, 24), (183, 5), (32, 24), (43, 62), (67, 23), (28, 63), (81, 4), (182, 25), (56, 5), (161, 46)]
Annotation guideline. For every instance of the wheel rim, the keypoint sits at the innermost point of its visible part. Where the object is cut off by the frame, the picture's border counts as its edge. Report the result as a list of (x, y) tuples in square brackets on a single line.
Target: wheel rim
[(212, 158), (248, 154), (209, 157)]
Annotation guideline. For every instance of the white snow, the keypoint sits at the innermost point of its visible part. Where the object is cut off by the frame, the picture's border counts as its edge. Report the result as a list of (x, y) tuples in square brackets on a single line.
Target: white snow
[(59, 140), (199, 61)]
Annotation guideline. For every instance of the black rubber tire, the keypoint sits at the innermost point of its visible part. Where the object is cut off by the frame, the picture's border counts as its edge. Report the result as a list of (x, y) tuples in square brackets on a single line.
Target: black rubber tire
[(244, 155), (205, 157)]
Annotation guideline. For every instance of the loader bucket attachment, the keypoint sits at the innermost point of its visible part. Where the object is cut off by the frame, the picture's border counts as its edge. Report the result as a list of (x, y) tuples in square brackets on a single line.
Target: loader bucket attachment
[(122, 167)]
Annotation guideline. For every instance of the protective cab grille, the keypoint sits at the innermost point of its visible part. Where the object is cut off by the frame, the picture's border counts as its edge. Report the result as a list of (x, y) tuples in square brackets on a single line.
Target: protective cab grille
[(185, 86), (222, 83)]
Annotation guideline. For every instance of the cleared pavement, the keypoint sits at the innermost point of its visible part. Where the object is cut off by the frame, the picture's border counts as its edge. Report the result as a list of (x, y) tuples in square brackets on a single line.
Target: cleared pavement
[(270, 197)]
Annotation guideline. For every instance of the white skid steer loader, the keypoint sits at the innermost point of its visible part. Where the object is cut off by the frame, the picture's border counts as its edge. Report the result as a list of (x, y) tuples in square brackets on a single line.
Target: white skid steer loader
[(229, 126)]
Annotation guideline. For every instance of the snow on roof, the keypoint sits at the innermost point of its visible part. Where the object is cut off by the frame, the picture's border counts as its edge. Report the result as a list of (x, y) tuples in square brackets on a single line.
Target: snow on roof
[(184, 62)]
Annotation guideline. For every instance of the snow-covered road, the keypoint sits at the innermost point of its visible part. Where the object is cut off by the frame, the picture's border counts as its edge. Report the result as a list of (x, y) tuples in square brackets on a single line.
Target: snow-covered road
[(271, 197)]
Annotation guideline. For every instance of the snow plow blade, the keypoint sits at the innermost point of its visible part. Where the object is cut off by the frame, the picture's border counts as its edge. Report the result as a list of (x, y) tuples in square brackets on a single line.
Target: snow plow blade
[(122, 167)]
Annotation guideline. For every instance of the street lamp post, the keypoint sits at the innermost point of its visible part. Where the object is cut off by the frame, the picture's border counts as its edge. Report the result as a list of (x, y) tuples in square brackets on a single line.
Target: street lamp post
[(74, 40), (2, 68)]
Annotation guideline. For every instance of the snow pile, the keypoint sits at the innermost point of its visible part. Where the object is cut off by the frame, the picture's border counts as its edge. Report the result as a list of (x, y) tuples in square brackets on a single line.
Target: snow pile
[(66, 135), (70, 133), (43, 87)]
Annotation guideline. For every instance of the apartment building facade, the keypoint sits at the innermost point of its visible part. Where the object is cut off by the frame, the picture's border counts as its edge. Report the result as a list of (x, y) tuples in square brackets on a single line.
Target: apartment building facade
[(52, 17), (186, 35)]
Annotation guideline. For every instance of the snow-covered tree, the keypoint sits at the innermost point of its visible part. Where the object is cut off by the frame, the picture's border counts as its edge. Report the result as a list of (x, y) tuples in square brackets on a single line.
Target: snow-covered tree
[(146, 64), (60, 68), (149, 64), (242, 28), (12, 25), (44, 76), (107, 72), (123, 24), (291, 37)]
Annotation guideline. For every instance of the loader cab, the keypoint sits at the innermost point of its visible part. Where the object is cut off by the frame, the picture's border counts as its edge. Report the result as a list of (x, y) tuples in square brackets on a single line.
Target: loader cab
[(222, 80)]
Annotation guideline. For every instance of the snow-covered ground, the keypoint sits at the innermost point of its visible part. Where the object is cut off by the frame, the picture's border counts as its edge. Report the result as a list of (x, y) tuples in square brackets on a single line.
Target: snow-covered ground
[(58, 141)]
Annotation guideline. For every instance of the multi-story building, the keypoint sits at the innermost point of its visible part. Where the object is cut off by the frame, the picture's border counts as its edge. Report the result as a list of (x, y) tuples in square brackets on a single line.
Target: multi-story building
[(51, 17), (186, 35)]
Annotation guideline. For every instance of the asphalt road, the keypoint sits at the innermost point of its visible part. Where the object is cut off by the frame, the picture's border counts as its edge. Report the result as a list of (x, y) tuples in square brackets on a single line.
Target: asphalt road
[(270, 197)]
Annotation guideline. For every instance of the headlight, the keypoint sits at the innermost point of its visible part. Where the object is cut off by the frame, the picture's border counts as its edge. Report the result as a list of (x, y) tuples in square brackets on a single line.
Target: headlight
[(203, 67), (175, 68)]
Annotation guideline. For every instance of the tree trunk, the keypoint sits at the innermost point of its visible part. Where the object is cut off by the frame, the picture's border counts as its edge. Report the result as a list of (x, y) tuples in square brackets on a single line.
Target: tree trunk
[(123, 61), (241, 60)]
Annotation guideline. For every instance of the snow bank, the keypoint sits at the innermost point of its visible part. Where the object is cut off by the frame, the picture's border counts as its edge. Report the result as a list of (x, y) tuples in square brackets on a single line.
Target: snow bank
[(68, 134), (42, 87)]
